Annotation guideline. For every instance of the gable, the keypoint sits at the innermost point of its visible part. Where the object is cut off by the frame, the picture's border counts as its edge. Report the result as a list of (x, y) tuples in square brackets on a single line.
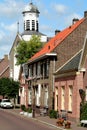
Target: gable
[(71, 65), (84, 55), (17, 39)]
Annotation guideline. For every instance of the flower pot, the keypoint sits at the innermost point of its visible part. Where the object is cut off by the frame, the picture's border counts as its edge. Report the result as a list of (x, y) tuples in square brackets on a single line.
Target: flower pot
[(21, 112), (29, 114), (67, 126), (25, 113), (60, 122)]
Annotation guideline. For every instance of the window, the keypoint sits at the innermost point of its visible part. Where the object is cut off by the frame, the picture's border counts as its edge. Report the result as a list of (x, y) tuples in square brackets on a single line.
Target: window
[(63, 98), (70, 98), (86, 94), (31, 71), (46, 69), (38, 69), (56, 98), (46, 97)]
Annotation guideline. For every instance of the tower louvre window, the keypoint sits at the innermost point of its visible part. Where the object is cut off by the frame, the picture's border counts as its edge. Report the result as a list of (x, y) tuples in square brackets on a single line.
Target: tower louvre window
[(33, 25), (24, 25), (36, 25), (28, 25)]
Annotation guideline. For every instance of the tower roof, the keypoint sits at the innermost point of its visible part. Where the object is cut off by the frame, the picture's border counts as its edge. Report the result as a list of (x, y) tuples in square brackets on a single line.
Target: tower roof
[(31, 8)]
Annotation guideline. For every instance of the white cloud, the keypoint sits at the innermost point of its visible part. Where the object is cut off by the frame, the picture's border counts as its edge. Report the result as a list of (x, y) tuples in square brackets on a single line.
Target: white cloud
[(10, 8), (12, 27), (5, 48), (2, 34), (59, 8)]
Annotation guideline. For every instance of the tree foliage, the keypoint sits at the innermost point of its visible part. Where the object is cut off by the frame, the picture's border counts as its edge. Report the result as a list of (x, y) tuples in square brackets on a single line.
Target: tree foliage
[(83, 111), (9, 87), (26, 49)]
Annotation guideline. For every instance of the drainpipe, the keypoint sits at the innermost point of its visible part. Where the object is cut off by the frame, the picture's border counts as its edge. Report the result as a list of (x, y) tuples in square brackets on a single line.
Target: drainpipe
[(53, 81)]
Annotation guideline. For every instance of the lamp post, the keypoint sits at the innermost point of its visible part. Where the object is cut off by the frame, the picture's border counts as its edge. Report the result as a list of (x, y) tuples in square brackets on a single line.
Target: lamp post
[(34, 102)]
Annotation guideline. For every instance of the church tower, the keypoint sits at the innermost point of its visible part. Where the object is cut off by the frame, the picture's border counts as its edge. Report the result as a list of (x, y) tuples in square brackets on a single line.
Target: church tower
[(30, 16)]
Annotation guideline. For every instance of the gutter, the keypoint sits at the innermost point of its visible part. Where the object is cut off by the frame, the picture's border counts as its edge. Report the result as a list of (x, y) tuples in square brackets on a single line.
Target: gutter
[(42, 57)]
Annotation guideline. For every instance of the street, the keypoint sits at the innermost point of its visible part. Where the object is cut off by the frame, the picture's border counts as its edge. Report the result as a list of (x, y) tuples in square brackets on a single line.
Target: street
[(9, 121)]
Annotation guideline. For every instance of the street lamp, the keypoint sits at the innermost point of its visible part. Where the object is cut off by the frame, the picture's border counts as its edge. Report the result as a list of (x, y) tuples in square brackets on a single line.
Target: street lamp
[(34, 102)]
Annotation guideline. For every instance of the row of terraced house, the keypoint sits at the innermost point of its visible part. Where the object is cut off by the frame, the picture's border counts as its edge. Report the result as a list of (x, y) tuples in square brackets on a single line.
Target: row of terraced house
[(54, 77), (57, 73)]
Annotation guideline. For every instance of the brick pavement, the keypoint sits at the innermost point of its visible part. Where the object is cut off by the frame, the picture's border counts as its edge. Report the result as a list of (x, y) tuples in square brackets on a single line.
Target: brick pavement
[(48, 121)]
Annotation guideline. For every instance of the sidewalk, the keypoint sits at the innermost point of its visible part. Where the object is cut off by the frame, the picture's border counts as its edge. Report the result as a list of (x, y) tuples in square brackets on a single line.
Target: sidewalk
[(48, 121)]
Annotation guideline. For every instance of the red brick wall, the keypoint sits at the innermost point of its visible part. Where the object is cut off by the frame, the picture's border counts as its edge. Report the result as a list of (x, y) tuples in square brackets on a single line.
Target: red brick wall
[(77, 83)]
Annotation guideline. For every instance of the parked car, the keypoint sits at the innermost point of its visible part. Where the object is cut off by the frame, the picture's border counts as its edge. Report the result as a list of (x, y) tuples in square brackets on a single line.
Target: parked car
[(6, 103)]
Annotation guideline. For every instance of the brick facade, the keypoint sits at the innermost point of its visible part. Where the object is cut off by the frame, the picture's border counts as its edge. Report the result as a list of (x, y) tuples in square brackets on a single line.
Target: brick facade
[(77, 83), (71, 44)]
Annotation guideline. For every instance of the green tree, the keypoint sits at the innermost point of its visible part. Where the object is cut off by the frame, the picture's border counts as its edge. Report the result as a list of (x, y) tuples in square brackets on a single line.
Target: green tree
[(8, 87), (26, 49), (4, 84)]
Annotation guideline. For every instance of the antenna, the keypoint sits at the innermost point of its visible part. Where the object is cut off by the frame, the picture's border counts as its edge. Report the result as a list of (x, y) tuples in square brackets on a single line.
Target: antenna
[(31, 1), (17, 27)]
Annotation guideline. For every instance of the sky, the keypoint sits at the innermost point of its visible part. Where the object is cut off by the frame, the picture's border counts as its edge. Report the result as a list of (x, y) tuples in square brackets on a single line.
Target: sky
[(54, 14)]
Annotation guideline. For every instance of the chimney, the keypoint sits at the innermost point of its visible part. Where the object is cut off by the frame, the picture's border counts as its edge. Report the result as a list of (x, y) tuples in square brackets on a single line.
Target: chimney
[(75, 20), (57, 31), (6, 57), (85, 14)]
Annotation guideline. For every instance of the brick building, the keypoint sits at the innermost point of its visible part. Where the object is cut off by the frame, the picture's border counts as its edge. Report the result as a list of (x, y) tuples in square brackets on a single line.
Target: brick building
[(4, 67)]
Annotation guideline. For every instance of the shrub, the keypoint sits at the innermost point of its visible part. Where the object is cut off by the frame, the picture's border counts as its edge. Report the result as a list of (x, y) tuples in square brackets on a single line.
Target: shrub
[(29, 110), (53, 114), (83, 112), (23, 108)]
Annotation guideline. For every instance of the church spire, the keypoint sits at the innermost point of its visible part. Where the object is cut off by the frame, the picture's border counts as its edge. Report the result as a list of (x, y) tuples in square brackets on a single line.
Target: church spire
[(31, 1)]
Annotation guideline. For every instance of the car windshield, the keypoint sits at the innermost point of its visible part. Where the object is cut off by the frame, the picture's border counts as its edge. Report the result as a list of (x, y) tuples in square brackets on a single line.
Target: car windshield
[(7, 100)]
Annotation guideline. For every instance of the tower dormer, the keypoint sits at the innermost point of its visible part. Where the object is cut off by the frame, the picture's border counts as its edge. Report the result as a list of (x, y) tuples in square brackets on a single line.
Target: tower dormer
[(31, 15)]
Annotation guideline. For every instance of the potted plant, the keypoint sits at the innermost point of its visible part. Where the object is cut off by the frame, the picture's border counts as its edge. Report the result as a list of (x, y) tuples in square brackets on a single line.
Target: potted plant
[(60, 121), (67, 124), (22, 109), (29, 110), (53, 114)]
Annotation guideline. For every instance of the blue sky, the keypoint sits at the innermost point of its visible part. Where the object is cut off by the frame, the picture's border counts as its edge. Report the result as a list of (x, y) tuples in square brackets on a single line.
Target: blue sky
[(54, 14)]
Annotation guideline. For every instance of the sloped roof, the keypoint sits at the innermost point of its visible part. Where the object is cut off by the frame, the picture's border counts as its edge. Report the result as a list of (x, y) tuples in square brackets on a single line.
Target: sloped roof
[(71, 65), (4, 66), (31, 8), (32, 33), (56, 40)]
